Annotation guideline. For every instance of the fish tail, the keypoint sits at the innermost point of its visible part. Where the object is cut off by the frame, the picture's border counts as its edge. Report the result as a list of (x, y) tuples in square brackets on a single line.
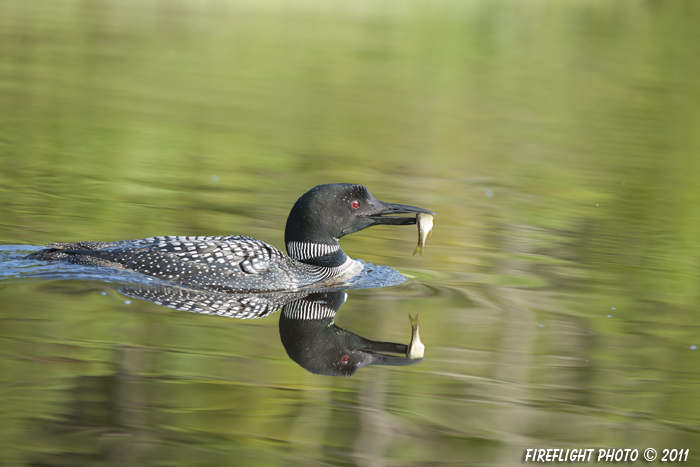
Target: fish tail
[(418, 249)]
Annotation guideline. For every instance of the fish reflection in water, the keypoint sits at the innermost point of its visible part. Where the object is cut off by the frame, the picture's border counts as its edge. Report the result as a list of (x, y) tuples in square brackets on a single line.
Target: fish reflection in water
[(416, 349), (307, 325)]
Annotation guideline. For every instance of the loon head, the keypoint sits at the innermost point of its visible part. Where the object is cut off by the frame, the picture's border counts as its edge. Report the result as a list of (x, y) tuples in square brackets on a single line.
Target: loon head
[(327, 349), (328, 212)]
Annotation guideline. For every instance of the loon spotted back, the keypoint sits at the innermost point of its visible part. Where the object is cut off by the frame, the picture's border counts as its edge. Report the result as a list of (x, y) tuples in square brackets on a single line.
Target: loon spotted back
[(242, 264)]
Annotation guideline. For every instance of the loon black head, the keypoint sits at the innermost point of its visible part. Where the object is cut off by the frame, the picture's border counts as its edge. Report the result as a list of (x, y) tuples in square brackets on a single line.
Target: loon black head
[(328, 212)]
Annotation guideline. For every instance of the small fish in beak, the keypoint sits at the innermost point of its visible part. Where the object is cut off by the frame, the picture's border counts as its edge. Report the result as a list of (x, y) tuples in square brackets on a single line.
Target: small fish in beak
[(425, 229)]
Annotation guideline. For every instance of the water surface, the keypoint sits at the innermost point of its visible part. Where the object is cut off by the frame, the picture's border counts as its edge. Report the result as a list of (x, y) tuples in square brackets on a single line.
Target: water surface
[(558, 295)]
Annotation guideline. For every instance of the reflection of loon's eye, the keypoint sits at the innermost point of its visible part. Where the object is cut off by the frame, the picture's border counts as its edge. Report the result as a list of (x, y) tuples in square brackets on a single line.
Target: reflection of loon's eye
[(355, 204), (345, 359)]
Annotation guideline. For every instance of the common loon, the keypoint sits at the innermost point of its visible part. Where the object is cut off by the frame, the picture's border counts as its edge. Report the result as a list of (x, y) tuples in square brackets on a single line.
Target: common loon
[(242, 264)]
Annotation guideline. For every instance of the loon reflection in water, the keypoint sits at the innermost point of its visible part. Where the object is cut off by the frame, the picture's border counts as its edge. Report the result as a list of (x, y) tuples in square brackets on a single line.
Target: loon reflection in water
[(312, 339), (246, 305), (307, 325), (241, 264)]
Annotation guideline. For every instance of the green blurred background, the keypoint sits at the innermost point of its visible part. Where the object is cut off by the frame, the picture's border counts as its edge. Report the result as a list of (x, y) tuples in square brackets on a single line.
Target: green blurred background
[(558, 142)]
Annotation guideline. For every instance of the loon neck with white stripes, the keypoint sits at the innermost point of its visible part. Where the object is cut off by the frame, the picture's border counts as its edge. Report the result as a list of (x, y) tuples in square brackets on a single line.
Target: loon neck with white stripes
[(317, 254), (303, 309)]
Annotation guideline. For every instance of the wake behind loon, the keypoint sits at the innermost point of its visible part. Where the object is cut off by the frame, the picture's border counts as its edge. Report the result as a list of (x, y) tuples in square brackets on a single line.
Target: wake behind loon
[(242, 264)]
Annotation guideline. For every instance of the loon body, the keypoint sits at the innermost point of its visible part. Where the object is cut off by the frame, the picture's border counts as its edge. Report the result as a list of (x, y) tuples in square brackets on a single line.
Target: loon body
[(243, 264)]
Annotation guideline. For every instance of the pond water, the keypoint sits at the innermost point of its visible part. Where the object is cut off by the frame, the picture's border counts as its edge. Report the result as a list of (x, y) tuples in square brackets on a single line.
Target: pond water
[(557, 142)]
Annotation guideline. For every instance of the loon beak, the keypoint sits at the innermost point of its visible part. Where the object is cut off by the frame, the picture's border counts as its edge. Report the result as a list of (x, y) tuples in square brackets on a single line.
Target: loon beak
[(391, 360), (373, 358), (392, 208)]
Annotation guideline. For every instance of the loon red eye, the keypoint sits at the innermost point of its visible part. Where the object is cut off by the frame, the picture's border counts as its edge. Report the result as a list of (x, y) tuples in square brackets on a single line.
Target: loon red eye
[(355, 204), (345, 359)]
